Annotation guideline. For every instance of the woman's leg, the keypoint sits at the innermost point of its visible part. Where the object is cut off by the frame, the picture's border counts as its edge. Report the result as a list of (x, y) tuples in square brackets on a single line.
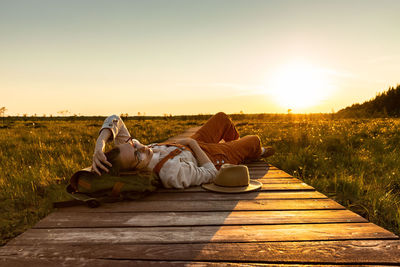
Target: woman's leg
[(234, 152), (218, 127)]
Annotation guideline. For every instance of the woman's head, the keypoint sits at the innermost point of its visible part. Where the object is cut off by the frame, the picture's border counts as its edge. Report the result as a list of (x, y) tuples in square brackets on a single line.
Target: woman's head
[(129, 156)]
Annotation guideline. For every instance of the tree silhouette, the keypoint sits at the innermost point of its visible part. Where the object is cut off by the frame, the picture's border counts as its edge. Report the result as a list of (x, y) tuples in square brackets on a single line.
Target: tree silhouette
[(2, 112)]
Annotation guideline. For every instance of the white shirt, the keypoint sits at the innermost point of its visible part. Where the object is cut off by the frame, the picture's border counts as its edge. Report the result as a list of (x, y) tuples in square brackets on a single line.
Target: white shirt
[(179, 172)]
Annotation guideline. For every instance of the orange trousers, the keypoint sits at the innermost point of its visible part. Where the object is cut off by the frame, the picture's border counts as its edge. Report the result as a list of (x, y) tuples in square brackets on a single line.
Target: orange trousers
[(234, 150)]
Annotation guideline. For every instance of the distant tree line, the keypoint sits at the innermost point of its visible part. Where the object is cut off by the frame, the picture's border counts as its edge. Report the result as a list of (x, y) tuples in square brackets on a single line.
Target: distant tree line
[(386, 104)]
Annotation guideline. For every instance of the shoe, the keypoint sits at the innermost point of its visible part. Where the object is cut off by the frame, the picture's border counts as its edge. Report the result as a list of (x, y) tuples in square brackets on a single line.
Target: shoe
[(267, 152)]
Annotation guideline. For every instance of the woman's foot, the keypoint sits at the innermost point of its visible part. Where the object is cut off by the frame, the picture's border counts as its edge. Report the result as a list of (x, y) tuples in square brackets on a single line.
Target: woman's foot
[(267, 151)]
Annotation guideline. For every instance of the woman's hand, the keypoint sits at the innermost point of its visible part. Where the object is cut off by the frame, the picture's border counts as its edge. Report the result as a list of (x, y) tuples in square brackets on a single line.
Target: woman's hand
[(99, 158), (99, 162), (199, 154)]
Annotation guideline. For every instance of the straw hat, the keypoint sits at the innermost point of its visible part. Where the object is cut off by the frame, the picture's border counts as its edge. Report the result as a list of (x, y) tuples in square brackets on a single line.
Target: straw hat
[(233, 179)]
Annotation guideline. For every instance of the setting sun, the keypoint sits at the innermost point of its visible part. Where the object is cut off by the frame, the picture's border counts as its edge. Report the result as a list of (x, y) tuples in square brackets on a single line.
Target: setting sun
[(299, 85)]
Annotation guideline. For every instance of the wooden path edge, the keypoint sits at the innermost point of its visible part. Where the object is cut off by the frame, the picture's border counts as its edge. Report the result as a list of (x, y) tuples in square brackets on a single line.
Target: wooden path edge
[(374, 252)]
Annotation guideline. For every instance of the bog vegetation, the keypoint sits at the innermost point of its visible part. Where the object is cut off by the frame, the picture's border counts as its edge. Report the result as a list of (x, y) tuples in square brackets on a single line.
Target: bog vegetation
[(354, 161)]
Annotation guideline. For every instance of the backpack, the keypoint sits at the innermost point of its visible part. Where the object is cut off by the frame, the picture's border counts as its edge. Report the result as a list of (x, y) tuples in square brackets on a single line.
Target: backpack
[(87, 187)]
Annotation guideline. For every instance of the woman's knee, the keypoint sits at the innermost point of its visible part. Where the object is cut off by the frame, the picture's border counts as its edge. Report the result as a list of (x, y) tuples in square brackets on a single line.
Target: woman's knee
[(221, 115), (223, 119)]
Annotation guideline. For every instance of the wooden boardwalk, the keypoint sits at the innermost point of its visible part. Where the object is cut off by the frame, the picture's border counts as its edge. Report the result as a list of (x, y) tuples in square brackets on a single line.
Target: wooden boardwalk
[(286, 223)]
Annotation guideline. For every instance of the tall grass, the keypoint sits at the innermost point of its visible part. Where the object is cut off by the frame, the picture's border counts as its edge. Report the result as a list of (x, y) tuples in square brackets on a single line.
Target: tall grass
[(355, 162)]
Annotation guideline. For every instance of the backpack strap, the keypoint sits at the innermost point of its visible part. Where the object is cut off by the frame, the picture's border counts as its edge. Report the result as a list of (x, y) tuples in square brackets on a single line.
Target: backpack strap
[(79, 198), (171, 155)]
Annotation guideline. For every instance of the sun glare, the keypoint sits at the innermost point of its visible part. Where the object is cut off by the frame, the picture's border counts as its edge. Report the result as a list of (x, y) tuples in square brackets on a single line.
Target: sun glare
[(298, 86)]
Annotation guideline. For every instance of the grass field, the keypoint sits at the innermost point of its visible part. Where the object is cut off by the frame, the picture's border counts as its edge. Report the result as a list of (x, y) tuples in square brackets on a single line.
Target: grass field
[(354, 161)]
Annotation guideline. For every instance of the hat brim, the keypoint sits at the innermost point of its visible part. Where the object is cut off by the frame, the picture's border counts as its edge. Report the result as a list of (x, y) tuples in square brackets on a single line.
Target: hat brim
[(253, 185)]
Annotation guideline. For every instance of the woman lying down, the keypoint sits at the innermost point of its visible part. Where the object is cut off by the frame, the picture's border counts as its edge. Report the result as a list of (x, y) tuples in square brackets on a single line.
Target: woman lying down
[(186, 162)]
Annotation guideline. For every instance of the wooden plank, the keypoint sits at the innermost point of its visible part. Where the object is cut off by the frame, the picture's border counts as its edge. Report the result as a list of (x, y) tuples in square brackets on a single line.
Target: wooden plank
[(72, 261), (211, 205), (259, 164), (269, 174), (265, 166), (243, 196), (33, 262), (75, 219), (265, 187), (290, 180), (371, 252), (203, 234), (266, 169)]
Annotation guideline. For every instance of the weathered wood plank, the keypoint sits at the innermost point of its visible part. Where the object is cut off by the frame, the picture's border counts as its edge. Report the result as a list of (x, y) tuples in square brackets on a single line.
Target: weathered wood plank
[(289, 180), (258, 163), (267, 170), (72, 261), (212, 205), (32, 262), (74, 219), (271, 167), (328, 252), (266, 165), (263, 167), (270, 174), (245, 196), (203, 234), (265, 187)]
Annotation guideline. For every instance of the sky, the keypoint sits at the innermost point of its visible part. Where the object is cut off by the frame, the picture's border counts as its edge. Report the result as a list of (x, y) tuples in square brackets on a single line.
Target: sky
[(96, 57)]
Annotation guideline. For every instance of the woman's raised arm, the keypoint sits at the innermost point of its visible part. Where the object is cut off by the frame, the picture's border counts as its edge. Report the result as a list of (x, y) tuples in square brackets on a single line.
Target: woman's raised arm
[(113, 128), (99, 158)]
